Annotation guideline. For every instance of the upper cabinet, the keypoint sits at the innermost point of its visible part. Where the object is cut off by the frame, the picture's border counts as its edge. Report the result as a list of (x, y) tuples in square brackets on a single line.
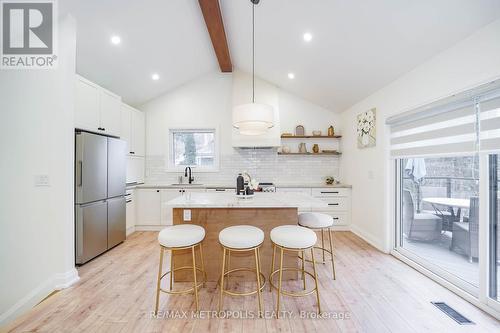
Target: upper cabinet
[(133, 130), (96, 109)]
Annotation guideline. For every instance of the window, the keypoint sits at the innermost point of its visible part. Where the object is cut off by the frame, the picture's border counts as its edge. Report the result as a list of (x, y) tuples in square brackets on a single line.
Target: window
[(194, 148)]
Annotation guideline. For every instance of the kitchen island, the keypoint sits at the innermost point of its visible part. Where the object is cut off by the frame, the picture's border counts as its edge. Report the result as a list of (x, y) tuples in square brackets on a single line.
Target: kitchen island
[(216, 211)]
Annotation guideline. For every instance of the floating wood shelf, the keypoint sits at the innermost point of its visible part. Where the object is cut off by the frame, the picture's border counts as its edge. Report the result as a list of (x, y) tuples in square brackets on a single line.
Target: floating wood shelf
[(310, 137), (319, 154)]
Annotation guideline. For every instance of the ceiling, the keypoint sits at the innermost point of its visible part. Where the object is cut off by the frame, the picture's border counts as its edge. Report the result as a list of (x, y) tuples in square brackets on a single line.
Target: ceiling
[(357, 48)]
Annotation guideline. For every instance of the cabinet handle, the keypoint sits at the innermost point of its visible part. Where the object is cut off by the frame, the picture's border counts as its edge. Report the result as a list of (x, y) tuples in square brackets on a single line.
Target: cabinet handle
[(329, 192), (128, 201), (157, 191), (333, 204), (335, 218), (132, 152), (220, 190)]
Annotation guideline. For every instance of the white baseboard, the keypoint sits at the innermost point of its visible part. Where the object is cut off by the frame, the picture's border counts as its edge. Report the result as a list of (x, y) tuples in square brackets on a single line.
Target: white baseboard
[(65, 280), (130, 230), (369, 238), (57, 282)]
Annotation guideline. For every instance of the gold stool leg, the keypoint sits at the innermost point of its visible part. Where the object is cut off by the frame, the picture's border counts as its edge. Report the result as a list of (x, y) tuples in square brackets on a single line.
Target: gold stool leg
[(323, 244), (195, 285), (303, 268), (272, 267), (222, 278), (331, 251), (171, 268), (202, 264), (315, 279), (159, 279), (257, 268), (228, 267), (279, 283)]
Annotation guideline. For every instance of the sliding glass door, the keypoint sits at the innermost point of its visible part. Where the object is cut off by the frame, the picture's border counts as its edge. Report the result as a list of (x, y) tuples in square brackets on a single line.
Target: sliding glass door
[(439, 219), (447, 196), (494, 239)]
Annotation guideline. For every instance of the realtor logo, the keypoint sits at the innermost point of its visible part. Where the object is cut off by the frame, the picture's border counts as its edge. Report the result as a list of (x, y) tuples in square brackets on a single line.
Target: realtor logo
[(28, 34)]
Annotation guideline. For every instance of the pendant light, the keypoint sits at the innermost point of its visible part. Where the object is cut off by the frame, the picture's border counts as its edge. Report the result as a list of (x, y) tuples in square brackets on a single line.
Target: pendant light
[(253, 118)]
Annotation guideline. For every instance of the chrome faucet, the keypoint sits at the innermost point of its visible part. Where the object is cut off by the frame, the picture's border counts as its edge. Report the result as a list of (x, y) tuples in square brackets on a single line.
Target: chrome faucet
[(190, 179)]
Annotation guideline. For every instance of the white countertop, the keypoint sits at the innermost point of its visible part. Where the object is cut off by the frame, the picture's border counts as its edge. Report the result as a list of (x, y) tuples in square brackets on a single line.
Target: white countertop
[(260, 200), (282, 185)]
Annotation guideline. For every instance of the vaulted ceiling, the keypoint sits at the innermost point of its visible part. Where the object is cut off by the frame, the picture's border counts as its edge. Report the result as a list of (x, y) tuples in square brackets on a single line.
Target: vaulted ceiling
[(357, 46)]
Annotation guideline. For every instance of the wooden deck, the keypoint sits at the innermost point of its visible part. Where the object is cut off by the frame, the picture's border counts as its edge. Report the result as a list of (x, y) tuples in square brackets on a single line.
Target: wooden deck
[(375, 291)]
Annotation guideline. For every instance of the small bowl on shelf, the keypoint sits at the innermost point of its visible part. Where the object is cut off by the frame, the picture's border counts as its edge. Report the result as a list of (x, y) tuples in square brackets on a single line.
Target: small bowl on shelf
[(316, 133)]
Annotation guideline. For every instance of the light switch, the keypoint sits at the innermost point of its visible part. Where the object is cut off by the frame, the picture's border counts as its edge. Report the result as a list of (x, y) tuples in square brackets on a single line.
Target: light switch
[(42, 180), (187, 214)]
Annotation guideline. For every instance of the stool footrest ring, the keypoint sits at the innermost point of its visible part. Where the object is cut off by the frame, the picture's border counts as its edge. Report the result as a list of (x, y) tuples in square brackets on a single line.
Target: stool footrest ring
[(289, 293), (243, 269), (321, 249), (184, 291)]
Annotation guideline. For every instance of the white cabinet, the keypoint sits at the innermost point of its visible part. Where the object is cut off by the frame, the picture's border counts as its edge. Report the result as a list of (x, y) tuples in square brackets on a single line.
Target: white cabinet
[(135, 169), (131, 210), (339, 203), (301, 190), (166, 212), (110, 113), (126, 125), (96, 109), (148, 207), (138, 133), (87, 109), (133, 130)]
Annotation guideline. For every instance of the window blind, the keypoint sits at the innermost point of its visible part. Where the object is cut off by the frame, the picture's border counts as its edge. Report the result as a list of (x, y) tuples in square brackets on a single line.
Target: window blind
[(462, 124), (490, 123)]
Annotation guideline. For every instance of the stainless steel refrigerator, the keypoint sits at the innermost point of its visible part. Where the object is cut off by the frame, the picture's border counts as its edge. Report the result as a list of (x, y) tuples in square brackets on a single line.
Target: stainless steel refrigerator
[(100, 176)]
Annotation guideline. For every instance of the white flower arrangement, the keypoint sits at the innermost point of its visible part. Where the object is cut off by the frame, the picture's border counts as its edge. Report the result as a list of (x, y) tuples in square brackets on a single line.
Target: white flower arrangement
[(366, 129)]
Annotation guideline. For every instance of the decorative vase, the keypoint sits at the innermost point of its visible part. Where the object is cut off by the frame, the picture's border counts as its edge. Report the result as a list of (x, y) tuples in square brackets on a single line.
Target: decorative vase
[(331, 132), (365, 140), (300, 131), (302, 147), (315, 148)]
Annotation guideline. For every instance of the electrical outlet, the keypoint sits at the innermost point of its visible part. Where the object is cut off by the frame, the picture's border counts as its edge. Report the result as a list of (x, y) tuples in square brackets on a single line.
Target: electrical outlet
[(187, 214), (42, 180)]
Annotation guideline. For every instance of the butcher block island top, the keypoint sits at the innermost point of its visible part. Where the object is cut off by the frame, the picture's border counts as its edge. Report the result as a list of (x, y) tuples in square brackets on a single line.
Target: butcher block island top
[(216, 211), (258, 200)]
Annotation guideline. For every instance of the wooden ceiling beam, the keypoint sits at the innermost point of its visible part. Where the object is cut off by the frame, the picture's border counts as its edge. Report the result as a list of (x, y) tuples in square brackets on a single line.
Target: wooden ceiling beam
[(213, 19)]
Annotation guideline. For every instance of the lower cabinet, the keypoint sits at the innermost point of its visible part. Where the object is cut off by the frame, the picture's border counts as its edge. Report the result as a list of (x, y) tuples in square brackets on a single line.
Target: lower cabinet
[(338, 201), (152, 209), (131, 210), (148, 207)]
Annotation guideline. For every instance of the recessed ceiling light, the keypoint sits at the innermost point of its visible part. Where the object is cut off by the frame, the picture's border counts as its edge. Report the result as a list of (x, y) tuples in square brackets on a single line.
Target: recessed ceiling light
[(291, 76), (155, 77), (308, 37), (116, 40)]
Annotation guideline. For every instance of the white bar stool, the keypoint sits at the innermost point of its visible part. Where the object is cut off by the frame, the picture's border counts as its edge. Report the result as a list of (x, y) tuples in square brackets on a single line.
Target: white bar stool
[(296, 239), (181, 237), (323, 222), (242, 238)]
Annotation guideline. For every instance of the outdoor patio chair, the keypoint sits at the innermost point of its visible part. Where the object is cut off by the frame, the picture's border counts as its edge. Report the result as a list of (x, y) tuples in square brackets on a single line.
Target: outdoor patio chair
[(419, 226), (465, 237)]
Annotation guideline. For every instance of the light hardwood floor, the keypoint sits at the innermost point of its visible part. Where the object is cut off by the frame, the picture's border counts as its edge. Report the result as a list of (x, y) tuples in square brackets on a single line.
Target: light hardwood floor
[(378, 292)]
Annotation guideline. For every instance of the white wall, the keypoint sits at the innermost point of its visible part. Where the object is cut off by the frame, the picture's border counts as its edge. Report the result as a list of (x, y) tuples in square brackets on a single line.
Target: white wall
[(207, 102), (37, 134), (471, 62)]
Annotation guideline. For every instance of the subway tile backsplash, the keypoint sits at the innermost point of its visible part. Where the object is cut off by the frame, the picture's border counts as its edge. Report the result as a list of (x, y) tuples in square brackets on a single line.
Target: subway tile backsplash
[(265, 165)]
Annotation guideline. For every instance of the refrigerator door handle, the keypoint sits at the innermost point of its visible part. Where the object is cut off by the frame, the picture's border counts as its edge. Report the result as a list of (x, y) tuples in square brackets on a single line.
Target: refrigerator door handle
[(80, 175)]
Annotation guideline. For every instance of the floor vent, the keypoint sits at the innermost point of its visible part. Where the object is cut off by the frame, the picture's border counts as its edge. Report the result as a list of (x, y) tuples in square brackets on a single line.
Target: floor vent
[(452, 313)]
